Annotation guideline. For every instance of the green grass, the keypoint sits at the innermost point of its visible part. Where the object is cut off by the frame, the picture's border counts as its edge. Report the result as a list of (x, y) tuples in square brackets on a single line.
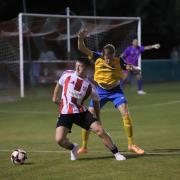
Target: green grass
[(30, 124)]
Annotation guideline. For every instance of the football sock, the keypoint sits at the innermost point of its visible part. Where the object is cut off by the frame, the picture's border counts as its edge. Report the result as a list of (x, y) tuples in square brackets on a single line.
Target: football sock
[(114, 149), (70, 147), (85, 135), (128, 129)]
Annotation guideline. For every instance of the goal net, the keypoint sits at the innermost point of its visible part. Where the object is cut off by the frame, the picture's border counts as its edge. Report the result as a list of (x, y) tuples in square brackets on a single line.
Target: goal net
[(40, 47), (9, 60)]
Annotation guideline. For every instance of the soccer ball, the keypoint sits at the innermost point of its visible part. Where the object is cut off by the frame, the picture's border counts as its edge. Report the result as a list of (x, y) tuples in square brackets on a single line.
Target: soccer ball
[(18, 156)]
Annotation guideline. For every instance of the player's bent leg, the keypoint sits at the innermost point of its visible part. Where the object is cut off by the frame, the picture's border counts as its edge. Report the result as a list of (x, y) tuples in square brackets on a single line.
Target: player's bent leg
[(127, 121), (63, 141), (98, 129), (60, 136)]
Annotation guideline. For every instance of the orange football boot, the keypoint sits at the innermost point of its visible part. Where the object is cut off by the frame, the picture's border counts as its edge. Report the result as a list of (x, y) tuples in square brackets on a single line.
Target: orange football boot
[(82, 150), (136, 149)]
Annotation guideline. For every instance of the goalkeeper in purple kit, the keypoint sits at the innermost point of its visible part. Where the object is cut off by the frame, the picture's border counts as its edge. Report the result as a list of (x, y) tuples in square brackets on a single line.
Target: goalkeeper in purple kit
[(131, 55)]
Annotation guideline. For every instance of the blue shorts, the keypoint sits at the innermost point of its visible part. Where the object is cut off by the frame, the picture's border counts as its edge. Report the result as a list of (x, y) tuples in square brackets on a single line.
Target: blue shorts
[(115, 95)]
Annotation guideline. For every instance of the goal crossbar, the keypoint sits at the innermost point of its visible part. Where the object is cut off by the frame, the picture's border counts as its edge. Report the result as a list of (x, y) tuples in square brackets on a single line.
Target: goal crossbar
[(80, 17)]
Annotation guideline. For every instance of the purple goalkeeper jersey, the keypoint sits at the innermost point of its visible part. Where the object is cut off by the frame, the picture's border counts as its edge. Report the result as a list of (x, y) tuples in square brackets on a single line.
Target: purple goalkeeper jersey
[(131, 54)]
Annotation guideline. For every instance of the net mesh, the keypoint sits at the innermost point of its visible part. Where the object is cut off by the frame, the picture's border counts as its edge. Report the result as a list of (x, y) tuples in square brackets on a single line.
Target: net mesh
[(9, 60)]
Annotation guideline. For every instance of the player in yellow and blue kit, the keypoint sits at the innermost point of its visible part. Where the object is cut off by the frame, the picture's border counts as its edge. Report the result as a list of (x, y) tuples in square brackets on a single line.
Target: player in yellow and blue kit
[(108, 73)]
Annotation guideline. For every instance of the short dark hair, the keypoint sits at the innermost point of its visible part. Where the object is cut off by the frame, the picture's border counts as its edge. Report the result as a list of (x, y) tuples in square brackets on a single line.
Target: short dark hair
[(110, 48), (84, 60)]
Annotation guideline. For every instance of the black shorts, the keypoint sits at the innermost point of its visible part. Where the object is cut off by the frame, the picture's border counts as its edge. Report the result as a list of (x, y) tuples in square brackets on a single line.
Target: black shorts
[(83, 120)]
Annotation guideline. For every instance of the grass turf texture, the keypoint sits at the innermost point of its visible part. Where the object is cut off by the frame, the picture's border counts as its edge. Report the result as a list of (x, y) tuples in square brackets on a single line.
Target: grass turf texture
[(30, 124)]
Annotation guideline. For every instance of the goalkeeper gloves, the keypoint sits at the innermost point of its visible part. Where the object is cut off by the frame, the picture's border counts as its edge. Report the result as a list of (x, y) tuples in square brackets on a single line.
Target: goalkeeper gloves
[(156, 46)]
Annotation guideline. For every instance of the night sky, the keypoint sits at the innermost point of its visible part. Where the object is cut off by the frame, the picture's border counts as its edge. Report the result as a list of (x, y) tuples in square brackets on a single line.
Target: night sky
[(160, 18)]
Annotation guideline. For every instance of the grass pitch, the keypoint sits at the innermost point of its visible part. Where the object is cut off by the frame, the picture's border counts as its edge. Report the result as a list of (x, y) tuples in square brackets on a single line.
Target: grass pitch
[(30, 124)]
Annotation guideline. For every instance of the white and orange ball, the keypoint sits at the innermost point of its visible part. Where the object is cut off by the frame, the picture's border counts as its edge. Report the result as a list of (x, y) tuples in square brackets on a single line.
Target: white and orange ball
[(18, 156)]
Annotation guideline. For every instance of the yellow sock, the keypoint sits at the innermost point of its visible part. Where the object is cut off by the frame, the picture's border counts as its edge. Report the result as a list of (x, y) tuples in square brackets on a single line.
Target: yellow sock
[(85, 135), (128, 129)]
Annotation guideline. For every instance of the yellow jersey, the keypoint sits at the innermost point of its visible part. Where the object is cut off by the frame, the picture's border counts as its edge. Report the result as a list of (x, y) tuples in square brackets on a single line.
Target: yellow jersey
[(106, 75)]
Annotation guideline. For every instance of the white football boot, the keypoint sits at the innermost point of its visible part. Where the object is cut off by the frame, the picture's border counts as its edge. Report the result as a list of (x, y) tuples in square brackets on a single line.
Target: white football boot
[(119, 157), (74, 151), (141, 92)]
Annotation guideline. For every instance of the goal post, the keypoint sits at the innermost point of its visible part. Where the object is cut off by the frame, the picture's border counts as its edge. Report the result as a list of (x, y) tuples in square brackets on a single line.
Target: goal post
[(48, 43), (139, 40), (21, 56)]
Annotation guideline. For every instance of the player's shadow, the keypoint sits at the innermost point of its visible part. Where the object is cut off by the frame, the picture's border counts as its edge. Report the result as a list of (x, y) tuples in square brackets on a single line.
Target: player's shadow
[(28, 163), (95, 158), (128, 156), (167, 150), (155, 152), (164, 152)]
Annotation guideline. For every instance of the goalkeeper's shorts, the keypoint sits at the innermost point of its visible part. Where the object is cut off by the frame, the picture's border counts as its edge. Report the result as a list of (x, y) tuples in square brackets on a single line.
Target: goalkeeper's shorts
[(114, 95)]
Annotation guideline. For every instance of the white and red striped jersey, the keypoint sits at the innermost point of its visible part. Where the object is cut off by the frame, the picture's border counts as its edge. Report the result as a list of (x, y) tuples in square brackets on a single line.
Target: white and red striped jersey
[(75, 91)]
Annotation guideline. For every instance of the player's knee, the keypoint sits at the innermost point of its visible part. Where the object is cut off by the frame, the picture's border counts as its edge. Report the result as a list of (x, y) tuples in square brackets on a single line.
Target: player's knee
[(125, 113), (59, 140), (100, 131)]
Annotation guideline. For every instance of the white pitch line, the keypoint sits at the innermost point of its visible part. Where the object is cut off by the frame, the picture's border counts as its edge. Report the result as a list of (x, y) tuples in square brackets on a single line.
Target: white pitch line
[(157, 104), (94, 151), (103, 110), (28, 112)]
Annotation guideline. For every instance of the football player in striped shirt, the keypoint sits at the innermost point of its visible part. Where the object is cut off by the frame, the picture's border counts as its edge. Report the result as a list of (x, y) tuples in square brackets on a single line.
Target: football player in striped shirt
[(108, 73), (76, 88)]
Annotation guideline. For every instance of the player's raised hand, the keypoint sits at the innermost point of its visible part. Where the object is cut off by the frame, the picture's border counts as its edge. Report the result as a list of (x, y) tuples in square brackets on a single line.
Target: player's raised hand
[(156, 46)]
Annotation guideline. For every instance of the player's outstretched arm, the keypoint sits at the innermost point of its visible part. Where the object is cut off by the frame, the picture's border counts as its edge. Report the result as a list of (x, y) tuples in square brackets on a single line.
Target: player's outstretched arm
[(56, 93), (154, 46), (81, 45)]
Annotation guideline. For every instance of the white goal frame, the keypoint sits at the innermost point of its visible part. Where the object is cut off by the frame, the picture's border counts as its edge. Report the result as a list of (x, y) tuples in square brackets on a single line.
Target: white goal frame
[(68, 17)]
